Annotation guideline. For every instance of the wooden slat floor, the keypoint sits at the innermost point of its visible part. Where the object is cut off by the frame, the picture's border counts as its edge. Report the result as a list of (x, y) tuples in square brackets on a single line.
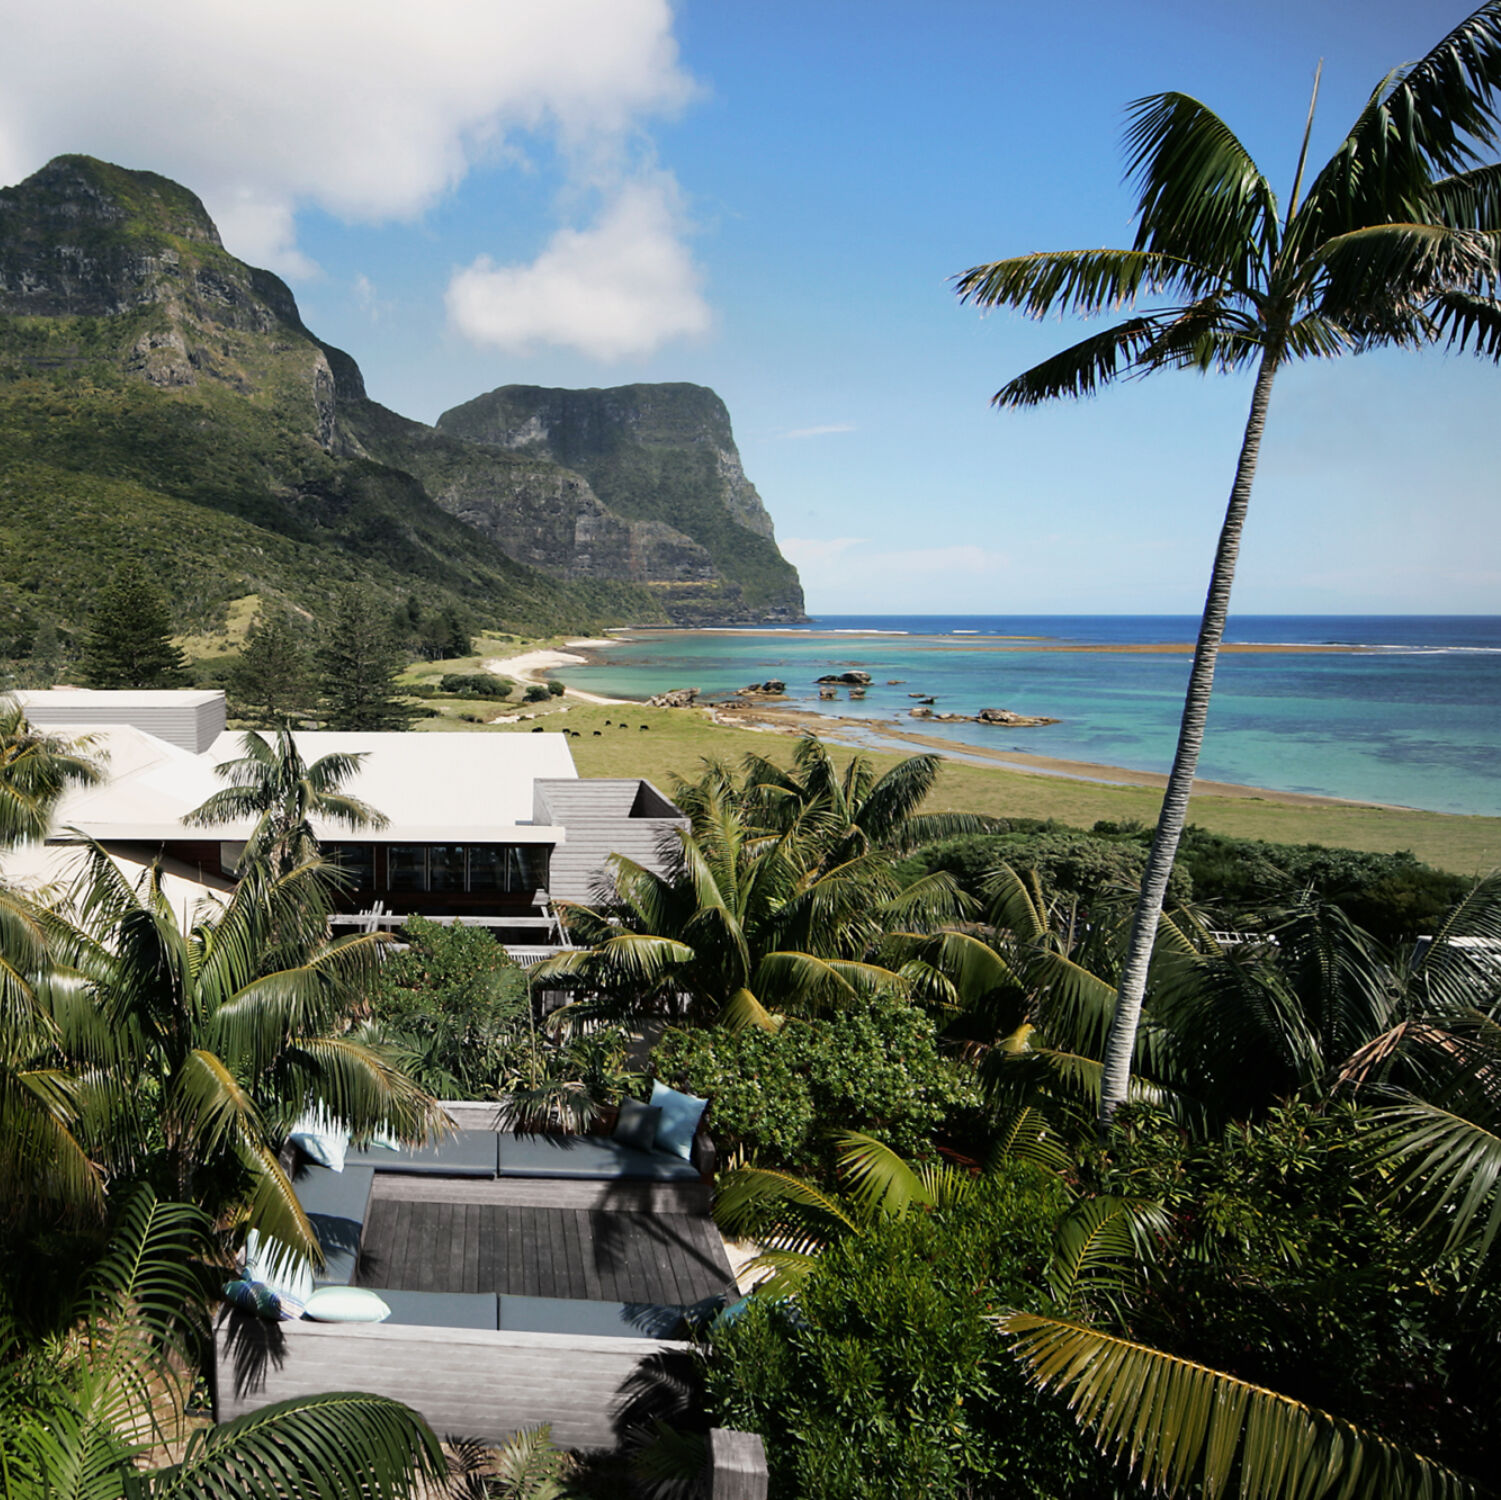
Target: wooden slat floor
[(603, 1255)]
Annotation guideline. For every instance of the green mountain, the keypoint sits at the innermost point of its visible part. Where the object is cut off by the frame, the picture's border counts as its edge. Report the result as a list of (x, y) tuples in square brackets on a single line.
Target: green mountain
[(664, 457), (160, 398)]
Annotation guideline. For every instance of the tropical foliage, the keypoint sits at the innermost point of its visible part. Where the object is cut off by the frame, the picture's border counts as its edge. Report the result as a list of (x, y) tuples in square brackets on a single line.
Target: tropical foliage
[(97, 1410), (1393, 242), (752, 923), (274, 786)]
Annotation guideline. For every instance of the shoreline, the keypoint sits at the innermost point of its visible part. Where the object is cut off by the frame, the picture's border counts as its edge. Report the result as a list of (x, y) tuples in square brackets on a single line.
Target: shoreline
[(861, 735), (866, 735), (530, 668)]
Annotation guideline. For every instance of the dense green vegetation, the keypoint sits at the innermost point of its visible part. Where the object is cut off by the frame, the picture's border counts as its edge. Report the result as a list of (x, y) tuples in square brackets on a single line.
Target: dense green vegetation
[(1391, 243), (1235, 882)]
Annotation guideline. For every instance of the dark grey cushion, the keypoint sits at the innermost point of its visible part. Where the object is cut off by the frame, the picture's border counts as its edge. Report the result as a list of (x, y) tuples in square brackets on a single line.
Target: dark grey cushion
[(613, 1320), (588, 1156), (467, 1153), (339, 1195), (442, 1309), (340, 1241), (637, 1125)]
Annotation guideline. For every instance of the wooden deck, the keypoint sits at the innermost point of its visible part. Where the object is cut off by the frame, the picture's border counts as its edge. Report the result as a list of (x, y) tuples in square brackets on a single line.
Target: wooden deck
[(531, 1251)]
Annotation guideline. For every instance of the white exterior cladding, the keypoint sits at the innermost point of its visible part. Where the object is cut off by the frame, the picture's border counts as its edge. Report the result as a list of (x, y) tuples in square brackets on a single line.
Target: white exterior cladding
[(190, 720)]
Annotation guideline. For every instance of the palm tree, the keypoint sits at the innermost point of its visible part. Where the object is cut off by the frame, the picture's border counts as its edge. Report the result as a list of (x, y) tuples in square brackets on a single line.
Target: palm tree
[(36, 768), (276, 787), (230, 1030), (854, 812), (1186, 1429), (748, 925), (96, 1412), (1394, 243)]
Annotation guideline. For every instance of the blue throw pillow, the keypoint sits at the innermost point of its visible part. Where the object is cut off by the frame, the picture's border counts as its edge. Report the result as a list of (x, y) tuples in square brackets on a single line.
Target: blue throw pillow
[(680, 1116), (637, 1125), (254, 1297)]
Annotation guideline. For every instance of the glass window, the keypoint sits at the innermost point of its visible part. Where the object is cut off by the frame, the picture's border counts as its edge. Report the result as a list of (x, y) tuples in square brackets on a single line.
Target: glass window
[(356, 864), (487, 867), (528, 868), (406, 867), (445, 867)]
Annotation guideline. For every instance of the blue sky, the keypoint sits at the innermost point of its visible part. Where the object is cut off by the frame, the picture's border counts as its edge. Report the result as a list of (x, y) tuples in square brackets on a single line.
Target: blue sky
[(769, 199)]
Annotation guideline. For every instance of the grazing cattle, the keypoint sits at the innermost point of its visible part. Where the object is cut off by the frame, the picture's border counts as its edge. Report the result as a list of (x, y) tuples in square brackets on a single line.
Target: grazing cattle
[(597, 733), (646, 726), (537, 730)]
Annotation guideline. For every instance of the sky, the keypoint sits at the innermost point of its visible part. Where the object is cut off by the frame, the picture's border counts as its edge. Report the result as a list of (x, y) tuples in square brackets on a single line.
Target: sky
[(771, 199)]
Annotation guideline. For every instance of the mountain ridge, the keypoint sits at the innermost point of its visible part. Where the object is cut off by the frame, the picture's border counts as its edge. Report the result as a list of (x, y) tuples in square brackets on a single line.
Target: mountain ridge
[(144, 368)]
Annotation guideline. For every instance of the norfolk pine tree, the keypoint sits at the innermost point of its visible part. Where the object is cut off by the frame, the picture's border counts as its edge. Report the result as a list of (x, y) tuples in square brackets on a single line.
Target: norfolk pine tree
[(358, 659), (129, 641)]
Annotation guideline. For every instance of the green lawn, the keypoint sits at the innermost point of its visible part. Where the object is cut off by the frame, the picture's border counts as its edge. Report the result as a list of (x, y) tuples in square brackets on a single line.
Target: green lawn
[(677, 740)]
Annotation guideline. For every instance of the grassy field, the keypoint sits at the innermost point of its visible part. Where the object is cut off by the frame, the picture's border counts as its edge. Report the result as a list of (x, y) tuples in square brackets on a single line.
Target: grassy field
[(676, 741)]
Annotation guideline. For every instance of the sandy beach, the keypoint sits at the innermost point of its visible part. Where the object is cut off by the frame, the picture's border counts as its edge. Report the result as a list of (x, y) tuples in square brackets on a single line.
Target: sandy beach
[(530, 667)]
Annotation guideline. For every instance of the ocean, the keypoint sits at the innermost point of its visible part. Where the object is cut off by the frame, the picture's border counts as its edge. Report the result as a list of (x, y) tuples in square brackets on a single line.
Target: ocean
[(1414, 720)]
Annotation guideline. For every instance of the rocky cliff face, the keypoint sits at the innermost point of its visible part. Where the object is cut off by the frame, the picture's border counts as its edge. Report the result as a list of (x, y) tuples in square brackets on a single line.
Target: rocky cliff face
[(161, 399), (112, 273), (663, 456)]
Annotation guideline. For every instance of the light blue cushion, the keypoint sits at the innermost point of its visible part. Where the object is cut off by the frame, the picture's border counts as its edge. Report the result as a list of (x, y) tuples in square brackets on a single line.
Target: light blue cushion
[(324, 1139), (594, 1158), (680, 1116), (346, 1304)]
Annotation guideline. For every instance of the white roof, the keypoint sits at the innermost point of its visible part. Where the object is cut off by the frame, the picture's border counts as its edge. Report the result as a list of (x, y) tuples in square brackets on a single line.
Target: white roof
[(121, 699), (470, 788)]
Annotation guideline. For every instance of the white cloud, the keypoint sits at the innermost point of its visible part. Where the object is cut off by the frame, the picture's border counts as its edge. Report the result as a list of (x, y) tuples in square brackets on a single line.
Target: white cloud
[(622, 287), (369, 111), (807, 432)]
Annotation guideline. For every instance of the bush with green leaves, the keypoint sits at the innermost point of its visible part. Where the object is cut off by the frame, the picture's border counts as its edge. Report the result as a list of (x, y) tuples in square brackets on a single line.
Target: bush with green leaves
[(555, 688), (1395, 897), (455, 1005), (888, 1379), (476, 685), (535, 693), (872, 1066), (1069, 863), (1288, 1266)]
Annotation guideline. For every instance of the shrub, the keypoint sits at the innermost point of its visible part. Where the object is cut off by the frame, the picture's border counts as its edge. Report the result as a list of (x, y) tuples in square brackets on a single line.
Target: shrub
[(454, 1004), (889, 1380), (1068, 863), (556, 688), (535, 693), (875, 1066), (476, 685)]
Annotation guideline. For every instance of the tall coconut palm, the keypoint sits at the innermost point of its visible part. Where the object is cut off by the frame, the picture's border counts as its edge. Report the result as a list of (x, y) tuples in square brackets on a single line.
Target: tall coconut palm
[(274, 785), (1395, 242)]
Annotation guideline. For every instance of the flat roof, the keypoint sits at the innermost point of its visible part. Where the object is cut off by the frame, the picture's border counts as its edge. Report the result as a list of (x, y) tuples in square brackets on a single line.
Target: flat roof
[(122, 699), (462, 788)]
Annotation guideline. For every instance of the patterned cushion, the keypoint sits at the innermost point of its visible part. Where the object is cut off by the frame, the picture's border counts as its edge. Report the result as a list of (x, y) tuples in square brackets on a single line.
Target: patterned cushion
[(254, 1297)]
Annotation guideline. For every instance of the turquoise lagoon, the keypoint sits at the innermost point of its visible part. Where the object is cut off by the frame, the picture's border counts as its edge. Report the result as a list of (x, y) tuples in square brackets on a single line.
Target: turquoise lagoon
[(1414, 719)]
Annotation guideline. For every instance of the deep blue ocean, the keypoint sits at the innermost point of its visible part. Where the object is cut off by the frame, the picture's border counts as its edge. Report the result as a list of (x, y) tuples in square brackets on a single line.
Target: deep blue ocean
[(1414, 720)]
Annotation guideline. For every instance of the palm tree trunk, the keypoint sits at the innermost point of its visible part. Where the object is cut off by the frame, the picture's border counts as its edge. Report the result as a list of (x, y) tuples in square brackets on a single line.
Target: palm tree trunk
[(1120, 1046)]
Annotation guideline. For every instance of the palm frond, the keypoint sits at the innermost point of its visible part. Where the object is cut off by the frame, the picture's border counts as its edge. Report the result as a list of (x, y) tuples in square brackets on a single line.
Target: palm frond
[(1082, 282), (1185, 1428), (339, 1446), (1099, 1250), (1201, 199)]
